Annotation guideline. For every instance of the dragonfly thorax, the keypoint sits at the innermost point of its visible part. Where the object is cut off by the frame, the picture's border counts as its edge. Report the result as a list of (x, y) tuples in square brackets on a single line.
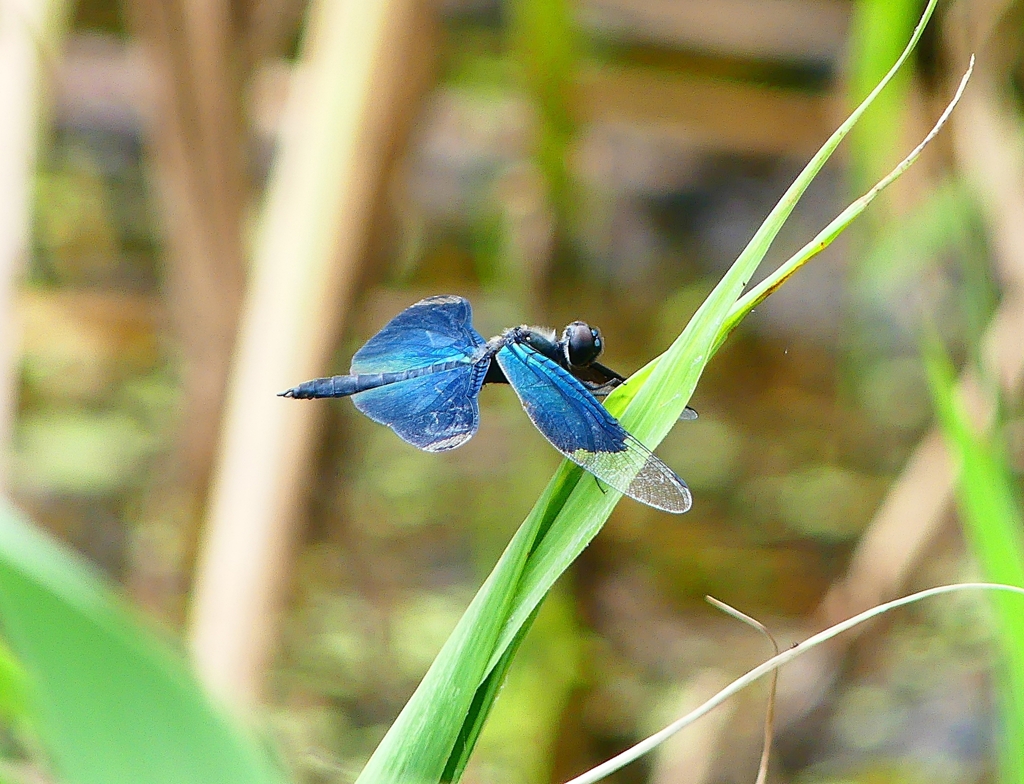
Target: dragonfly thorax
[(540, 339), (579, 347)]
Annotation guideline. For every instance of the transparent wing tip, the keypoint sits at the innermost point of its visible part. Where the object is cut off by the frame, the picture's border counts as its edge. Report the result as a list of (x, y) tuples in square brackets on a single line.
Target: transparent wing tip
[(669, 494), (638, 473), (659, 486), (683, 501)]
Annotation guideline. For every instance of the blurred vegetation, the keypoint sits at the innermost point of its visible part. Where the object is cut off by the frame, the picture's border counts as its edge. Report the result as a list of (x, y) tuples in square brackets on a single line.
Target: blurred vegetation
[(988, 497)]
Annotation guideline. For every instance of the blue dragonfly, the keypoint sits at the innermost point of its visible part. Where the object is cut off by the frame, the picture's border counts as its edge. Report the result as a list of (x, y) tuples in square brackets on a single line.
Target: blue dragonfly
[(421, 375)]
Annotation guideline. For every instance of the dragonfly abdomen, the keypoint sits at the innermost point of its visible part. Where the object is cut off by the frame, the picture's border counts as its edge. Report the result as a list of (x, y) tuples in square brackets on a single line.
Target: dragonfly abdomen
[(343, 386)]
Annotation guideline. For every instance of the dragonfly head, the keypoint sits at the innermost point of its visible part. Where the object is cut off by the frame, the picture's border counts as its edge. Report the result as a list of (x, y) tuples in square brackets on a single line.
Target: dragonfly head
[(581, 343)]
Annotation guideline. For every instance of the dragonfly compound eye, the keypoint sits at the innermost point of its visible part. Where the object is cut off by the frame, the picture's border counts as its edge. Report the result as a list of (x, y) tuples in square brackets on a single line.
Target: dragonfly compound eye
[(583, 343)]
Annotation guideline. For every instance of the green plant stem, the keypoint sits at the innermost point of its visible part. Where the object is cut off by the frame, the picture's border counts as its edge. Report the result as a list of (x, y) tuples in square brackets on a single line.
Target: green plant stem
[(991, 515)]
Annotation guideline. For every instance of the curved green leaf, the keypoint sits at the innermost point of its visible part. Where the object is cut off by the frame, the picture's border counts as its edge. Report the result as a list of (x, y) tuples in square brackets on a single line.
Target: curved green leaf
[(111, 701)]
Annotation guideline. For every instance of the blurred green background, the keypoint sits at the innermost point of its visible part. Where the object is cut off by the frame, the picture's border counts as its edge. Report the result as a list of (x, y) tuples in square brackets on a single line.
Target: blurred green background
[(602, 160)]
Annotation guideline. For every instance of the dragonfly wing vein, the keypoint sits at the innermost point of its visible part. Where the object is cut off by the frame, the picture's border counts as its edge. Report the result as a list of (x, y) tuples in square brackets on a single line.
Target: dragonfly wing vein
[(582, 429), (435, 412), (434, 330)]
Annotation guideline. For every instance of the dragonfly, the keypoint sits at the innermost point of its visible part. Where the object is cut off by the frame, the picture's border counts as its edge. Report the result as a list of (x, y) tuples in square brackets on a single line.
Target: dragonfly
[(422, 373)]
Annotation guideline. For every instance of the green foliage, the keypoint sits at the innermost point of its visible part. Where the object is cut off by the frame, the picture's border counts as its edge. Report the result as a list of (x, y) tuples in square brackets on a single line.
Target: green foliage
[(547, 48), (434, 734), (945, 218), (14, 706), (991, 514), (877, 31), (109, 700)]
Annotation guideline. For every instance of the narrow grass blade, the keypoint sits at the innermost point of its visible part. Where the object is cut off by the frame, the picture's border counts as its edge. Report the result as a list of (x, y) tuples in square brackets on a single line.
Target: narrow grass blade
[(649, 744), (992, 520), (440, 718), (769, 718), (485, 697), (748, 261), (109, 700), (825, 237), (876, 29)]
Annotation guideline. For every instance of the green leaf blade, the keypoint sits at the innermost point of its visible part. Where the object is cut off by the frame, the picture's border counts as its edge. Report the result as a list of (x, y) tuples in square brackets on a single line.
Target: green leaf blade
[(992, 518), (112, 702)]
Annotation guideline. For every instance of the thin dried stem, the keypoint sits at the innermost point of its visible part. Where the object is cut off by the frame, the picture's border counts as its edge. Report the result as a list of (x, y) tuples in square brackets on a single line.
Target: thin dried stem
[(769, 717)]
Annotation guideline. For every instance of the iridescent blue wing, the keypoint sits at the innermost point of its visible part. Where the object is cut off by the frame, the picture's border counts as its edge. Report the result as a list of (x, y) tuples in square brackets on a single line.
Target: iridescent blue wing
[(435, 411), (582, 429), (434, 330)]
